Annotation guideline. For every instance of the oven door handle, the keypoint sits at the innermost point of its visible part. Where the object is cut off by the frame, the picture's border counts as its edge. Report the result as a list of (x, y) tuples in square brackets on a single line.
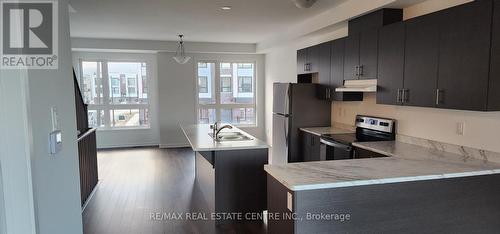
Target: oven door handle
[(335, 144)]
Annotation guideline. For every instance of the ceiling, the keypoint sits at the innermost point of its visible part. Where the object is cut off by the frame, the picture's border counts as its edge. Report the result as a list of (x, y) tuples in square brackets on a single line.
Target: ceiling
[(249, 21)]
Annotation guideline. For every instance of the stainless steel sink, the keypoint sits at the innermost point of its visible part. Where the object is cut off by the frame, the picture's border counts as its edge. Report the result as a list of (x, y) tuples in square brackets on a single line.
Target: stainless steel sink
[(231, 136)]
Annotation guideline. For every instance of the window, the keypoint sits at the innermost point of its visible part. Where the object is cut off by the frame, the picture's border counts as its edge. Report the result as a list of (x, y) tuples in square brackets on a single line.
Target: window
[(226, 84), (118, 98), (234, 106), (244, 84), (203, 84), (245, 66)]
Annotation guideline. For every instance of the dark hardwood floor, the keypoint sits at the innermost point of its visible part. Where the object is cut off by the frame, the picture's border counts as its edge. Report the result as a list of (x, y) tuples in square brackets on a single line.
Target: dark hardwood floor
[(134, 183)]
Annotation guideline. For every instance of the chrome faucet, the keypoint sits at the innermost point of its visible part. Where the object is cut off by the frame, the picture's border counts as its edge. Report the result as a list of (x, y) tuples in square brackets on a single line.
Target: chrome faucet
[(220, 129), (214, 128)]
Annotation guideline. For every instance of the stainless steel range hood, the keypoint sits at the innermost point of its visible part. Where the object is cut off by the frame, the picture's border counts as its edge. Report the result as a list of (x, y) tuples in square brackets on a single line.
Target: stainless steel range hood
[(358, 86)]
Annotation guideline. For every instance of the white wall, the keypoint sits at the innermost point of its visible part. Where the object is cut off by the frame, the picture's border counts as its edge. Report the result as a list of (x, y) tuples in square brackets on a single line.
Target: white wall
[(281, 67), (3, 228), (41, 191), (128, 137), (56, 181), (177, 94)]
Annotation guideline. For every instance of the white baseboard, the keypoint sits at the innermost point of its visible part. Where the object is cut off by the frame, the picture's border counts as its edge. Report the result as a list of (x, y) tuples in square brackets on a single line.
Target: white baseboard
[(174, 145), (126, 145)]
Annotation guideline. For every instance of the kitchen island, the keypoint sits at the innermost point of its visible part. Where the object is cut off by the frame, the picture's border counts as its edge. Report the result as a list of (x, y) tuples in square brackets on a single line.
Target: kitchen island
[(230, 176), (414, 189)]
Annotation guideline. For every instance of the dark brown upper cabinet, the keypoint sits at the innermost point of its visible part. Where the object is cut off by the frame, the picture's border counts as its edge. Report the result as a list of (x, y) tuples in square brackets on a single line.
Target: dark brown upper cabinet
[(464, 55), (337, 73), (361, 46), (308, 60), (301, 61), (368, 52), (324, 70), (494, 81), (391, 64), (421, 61), (450, 60), (361, 55), (375, 20)]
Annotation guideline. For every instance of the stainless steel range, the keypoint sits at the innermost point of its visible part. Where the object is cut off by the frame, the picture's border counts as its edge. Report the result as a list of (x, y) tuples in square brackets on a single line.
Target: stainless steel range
[(339, 146)]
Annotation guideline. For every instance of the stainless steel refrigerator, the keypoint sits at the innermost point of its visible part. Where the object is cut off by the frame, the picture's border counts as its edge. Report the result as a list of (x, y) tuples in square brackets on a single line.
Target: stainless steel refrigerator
[(295, 106)]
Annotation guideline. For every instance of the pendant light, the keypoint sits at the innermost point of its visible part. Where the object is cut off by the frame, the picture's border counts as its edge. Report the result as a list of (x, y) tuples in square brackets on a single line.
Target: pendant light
[(180, 54)]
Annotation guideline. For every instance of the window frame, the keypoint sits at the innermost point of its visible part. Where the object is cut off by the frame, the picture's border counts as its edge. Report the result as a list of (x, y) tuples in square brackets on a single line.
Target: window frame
[(230, 87), (206, 83), (218, 106), (241, 83), (106, 106)]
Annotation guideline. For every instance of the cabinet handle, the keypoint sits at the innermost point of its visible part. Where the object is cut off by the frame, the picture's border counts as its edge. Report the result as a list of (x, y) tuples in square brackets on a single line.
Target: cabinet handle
[(356, 70), (398, 98), (438, 96), (329, 93), (360, 70), (406, 96)]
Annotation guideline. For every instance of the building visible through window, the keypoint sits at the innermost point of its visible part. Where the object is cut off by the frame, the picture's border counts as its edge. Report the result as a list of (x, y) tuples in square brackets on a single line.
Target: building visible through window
[(118, 98), (203, 84), (236, 106)]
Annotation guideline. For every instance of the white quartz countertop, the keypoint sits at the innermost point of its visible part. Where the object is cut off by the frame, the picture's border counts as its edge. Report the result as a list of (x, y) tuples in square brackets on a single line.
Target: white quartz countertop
[(326, 130), (407, 162), (197, 135)]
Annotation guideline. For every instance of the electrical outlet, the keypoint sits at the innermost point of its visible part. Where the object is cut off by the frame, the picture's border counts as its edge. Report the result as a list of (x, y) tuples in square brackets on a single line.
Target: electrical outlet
[(460, 128)]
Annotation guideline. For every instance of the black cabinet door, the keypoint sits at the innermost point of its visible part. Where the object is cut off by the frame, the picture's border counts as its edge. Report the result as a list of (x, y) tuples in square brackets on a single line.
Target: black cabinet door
[(315, 148), (421, 60), (391, 64), (306, 146), (324, 63), (312, 59), (324, 71), (301, 61), (368, 51), (337, 68), (494, 84), (351, 57), (464, 51)]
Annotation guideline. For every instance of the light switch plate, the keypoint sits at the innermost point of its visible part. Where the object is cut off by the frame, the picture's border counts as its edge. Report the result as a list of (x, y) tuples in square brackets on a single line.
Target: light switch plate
[(289, 201), (460, 128), (55, 118)]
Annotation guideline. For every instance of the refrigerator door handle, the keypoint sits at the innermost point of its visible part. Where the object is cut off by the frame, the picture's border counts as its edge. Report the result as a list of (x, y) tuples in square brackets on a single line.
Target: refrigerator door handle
[(287, 100), (285, 128)]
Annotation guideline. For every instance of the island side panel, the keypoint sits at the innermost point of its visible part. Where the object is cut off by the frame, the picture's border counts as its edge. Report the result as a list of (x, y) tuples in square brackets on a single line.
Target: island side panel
[(277, 195), (203, 196), (455, 205), (240, 180)]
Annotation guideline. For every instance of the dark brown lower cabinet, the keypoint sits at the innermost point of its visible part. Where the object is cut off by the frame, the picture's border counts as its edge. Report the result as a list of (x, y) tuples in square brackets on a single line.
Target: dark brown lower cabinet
[(310, 146), (229, 181), (454, 205)]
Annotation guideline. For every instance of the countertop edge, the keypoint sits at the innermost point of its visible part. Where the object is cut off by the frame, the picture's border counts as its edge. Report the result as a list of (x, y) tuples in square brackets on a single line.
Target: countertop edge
[(380, 181), (264, 145), (355, 144), (309, 131), (186, 135)]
